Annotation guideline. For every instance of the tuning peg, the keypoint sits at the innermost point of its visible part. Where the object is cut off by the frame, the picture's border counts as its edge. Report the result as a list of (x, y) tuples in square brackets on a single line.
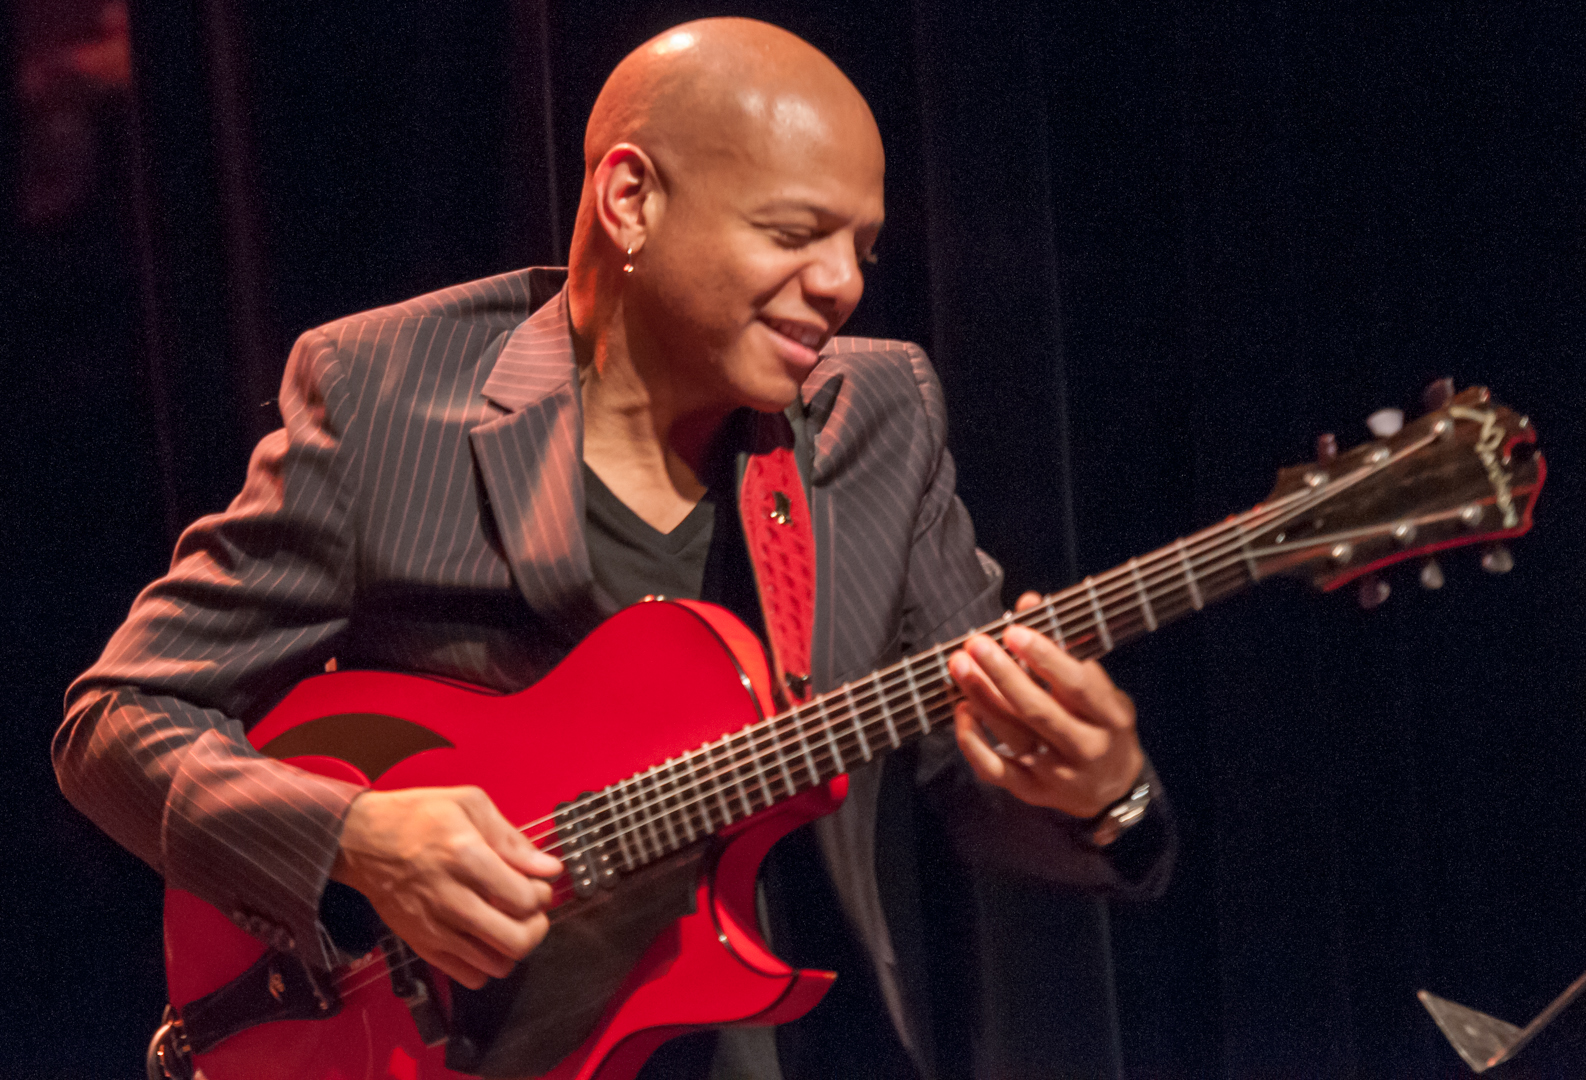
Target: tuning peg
[(1373, 591), (1438, 392), (1497, 560), (1326, 448), (1385, 422), (1431, 575)]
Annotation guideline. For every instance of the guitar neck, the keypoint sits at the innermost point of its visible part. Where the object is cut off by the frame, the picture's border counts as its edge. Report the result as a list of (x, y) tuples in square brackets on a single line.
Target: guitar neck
[(671, 805)]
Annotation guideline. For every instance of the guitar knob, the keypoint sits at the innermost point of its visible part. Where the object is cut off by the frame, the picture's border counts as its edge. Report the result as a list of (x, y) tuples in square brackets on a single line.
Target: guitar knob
[(1497, 560), (1326, 448), (1385, 422), (1431, 575), (1438, 392), (1373, 591)]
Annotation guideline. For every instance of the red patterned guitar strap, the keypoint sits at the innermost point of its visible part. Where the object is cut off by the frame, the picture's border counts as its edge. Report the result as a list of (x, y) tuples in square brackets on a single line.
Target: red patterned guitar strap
[(777, 530)]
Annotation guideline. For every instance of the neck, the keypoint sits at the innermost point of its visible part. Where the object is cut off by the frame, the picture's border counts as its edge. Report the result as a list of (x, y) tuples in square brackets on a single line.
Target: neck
[(643, 435)]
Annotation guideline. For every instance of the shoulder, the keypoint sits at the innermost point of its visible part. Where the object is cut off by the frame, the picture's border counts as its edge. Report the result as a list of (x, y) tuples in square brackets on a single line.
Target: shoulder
[(501, 302), (421, 343), (877, 375)]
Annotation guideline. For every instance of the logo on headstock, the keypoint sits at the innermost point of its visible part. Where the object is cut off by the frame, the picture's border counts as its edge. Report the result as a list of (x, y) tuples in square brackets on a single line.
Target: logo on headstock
[(1487, 444)]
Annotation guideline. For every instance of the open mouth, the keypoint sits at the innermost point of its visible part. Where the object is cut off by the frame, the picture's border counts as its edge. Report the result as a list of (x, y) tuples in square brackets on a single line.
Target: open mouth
[(803, 333)]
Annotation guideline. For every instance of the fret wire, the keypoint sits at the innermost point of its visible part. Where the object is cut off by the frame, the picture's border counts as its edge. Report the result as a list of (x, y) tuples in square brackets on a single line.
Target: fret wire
[(659, 807), (725, 780), (831, 735), (914, 694), (886, 714), (809, 758), (737, 775), (1101, 620), (1145, 599), (680, 792), (853, 713), (1057, 626), (1189, 576), (631, 824), (754, 759), (1244, 547), (720, 785), (781, 757), (703, 784)]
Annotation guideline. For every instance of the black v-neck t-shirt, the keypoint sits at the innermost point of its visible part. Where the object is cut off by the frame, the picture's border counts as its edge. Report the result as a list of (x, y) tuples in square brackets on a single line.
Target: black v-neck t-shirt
[(631, 559)]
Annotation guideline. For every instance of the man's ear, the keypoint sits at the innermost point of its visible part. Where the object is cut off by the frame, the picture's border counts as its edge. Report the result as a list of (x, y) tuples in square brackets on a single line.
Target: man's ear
[(628, 196)]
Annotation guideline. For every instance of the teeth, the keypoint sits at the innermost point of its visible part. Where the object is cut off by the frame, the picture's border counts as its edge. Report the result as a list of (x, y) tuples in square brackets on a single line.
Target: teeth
[(804, 335)]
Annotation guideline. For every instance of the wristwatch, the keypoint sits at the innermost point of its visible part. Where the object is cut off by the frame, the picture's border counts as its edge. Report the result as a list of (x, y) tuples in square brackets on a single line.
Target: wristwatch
[(1124, 814)]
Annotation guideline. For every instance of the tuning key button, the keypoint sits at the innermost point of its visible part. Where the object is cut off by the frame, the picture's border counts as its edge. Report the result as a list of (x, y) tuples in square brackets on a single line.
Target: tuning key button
[(1470, 515), (1431, 575), (1326, 448), (1497, 560), (1385, 422), (1438, 393), (1373, 591)]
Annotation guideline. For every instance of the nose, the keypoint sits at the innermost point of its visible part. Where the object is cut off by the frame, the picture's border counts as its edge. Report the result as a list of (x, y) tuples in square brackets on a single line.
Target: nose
[(833, 282)]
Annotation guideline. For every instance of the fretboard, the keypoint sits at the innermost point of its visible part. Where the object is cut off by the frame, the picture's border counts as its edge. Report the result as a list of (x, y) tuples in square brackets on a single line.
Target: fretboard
[(676, 803)]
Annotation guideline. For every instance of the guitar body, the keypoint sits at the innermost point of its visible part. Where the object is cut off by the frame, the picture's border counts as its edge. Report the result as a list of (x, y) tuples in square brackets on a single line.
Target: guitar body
[(648, 685)]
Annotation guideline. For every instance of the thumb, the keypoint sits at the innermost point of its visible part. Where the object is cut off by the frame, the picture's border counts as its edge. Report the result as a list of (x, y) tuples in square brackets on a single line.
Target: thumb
[(505, 839)]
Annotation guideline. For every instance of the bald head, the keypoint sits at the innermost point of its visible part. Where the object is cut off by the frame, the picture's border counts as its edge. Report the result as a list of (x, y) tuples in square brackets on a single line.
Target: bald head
[(720, 89)]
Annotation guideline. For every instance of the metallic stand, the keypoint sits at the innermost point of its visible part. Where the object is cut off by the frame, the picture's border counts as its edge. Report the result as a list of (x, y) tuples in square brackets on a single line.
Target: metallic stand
[(1484, 1041)]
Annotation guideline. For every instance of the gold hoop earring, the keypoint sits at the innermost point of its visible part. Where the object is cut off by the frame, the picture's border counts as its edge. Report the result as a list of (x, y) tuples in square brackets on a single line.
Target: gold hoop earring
[(628, 267)]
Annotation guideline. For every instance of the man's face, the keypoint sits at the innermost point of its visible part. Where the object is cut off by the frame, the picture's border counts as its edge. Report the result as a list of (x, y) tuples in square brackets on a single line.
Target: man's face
[(757, 259)]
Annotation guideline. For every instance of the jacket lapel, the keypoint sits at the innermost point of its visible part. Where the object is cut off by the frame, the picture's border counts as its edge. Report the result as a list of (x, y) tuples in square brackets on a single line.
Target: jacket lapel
[(528, 461)]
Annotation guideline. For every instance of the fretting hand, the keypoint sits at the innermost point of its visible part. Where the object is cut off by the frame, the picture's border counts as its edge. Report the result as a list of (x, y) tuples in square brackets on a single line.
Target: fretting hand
[(1067, 733), (450, 876)]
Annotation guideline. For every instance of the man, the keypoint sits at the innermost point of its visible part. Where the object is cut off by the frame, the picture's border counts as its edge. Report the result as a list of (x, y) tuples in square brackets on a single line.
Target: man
[(467, 482)]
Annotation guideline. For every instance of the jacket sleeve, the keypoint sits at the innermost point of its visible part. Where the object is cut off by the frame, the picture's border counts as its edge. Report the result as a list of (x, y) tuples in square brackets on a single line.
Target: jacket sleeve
[(153, 747), (952, 588)]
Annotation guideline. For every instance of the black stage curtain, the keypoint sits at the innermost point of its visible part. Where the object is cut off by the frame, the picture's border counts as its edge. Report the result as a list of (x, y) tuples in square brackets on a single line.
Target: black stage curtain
[(1155, 250)]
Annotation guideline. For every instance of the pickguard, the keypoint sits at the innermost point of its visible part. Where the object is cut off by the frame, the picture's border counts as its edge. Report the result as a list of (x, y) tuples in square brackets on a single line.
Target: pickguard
[(525, 1024)]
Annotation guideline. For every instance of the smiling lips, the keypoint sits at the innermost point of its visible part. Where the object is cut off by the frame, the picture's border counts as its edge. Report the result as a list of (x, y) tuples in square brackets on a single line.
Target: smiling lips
[(803, 333)]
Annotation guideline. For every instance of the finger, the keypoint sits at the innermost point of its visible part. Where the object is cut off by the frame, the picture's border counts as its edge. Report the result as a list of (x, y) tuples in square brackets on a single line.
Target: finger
[(986, 763), (476, 866), (505, 838), (1016, 739), (1027, 601), (487, 937), (995, 683), (1082, 688)]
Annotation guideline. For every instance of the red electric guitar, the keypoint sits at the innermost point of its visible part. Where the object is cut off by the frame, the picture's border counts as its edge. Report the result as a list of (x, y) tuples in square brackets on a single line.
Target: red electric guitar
[(654, 764)]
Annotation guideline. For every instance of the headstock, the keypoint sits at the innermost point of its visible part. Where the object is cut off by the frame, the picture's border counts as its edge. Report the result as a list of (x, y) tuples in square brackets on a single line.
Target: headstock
[(1467, 472)]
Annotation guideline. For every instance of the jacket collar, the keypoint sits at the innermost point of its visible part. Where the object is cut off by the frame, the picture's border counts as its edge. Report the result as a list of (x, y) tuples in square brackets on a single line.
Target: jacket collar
[(528, 461)]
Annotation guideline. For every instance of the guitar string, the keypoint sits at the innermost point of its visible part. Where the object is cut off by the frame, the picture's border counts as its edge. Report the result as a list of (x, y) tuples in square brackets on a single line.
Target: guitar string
[(661, 784), (661, 792), (1049, 616), (1169, 558), (665, 796), (692, 806)]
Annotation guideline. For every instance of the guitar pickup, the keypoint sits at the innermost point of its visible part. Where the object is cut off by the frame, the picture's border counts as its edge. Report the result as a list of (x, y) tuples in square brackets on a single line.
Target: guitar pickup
[(587, 859)]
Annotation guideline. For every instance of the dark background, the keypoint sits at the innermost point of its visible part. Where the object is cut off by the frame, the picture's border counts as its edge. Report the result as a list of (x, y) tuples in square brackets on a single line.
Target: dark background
[(1155, 249)]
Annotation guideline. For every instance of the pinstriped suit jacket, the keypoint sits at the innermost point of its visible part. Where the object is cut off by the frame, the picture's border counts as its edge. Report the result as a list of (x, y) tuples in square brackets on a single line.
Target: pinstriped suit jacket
[(422, 509)]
